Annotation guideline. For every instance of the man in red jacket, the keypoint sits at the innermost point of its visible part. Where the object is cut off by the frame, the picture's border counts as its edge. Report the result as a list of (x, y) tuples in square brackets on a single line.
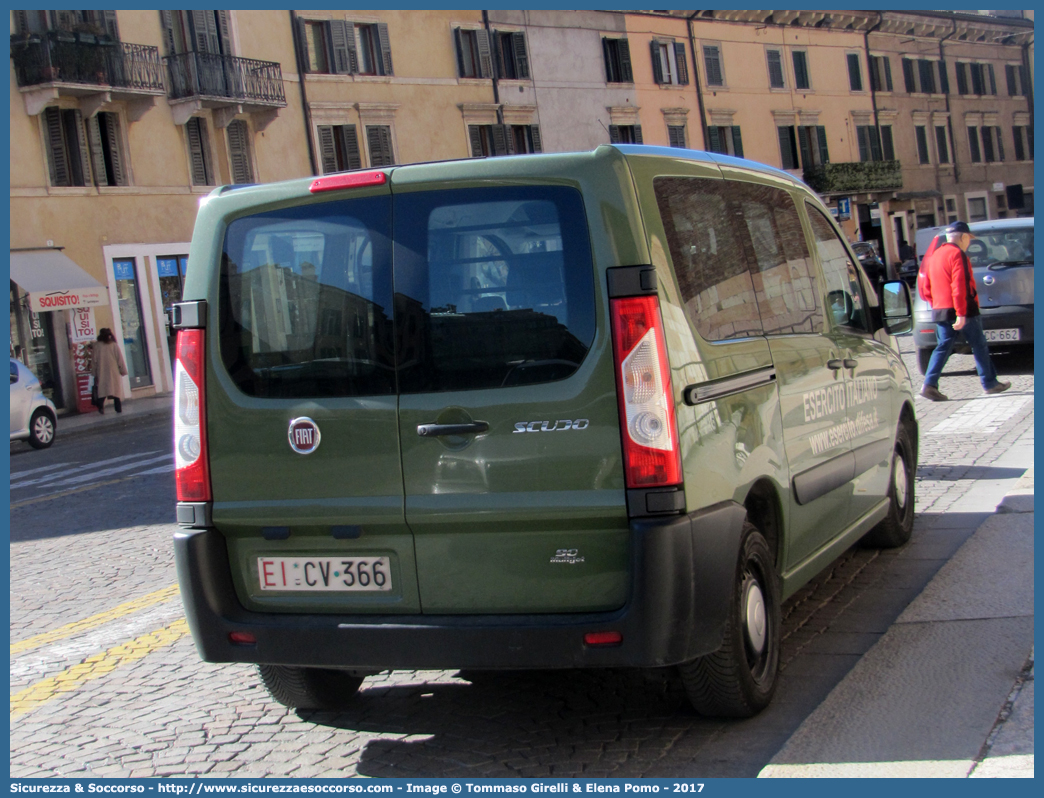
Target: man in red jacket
[(949, 281)]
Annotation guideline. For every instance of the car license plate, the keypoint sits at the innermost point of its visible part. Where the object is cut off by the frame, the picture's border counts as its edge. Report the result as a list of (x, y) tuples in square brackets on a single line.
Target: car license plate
[(332, 574), (1002, 335)]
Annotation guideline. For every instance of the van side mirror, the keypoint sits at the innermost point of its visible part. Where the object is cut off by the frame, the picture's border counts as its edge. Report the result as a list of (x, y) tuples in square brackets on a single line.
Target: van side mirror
[(895, 307)]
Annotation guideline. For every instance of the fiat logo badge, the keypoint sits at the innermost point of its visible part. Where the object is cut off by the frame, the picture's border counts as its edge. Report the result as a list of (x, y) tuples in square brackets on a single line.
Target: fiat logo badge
[(303, 435)]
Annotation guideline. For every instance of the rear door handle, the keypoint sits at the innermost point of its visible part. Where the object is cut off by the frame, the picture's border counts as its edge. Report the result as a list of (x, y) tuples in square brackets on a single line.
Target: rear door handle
[(850, 364), (834, 364), (434, 430)]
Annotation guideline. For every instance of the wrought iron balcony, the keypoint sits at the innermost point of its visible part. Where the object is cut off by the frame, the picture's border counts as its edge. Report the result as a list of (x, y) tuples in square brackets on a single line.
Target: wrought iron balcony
[(58, 57), (218, 79), (855, 176)]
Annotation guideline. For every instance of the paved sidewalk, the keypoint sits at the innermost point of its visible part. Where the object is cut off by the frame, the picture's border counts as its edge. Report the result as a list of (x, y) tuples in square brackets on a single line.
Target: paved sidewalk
[(133, 410), (948, 690)]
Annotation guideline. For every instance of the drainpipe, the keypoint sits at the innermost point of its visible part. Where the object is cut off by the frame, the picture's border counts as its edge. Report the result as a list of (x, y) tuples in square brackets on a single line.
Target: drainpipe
[(866, 46), (696, 79), (493, 65), (1028, 88), (949, 122), (305, 110)]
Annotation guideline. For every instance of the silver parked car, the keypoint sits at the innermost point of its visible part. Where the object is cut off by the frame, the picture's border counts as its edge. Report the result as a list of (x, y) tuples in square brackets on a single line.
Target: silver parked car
[(1001, 256), (33, 417)]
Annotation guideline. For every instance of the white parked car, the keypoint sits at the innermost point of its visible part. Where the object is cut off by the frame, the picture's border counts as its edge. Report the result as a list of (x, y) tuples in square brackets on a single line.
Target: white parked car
[(33, 417)]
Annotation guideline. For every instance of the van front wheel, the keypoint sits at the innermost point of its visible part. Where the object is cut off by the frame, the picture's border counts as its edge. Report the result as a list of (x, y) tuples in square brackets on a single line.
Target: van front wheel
[(739, 679), (309, 688)]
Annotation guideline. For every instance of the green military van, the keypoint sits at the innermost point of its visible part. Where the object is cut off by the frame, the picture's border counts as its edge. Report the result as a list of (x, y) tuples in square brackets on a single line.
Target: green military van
[(603, 409)]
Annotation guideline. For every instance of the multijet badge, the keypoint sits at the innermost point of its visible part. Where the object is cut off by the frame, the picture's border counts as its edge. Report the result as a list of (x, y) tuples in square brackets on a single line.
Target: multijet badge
[(303, 435)]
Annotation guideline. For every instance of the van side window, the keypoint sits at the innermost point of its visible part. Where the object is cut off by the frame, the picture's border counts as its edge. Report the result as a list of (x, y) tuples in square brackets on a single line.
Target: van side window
[(784, 280), (493, 287), (844, 296), (709, 257), (305, 301)]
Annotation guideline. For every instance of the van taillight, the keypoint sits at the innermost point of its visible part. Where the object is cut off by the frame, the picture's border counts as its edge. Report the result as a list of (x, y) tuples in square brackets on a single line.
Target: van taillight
[(643, 383), (191, 470)]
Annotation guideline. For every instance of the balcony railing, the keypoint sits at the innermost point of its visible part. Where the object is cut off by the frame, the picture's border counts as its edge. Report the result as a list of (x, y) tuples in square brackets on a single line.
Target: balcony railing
[(855, 176), (215, 76), (60, 57)]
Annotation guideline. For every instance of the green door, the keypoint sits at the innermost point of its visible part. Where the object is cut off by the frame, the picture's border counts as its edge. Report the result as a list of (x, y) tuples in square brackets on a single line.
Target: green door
[(508, 416), (302, 417), (869, 367)]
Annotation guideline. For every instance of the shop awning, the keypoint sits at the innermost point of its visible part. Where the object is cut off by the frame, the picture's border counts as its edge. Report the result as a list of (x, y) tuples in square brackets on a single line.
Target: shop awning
[(54, 281)]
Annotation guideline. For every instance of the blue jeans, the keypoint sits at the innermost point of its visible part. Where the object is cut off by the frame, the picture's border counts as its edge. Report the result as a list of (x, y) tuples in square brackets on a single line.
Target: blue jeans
[(975, 337)]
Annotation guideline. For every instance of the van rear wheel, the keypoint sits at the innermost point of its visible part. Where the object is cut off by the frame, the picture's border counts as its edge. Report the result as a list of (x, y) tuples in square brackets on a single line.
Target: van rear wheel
[(739, 679), (309, 688)]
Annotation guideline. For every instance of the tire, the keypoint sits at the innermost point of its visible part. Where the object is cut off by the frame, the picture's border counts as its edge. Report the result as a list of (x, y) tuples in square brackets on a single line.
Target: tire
[(739, 679), (896, 528), (310, 688), (924, 356), (41, 429)]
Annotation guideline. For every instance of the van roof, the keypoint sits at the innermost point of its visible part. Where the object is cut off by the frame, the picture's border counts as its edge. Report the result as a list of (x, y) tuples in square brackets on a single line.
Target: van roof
[(630, 150)]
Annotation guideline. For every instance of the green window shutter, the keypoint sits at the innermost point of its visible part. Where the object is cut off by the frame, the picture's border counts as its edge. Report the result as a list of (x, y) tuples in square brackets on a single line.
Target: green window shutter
[(339, 31), (112, 140), (1016, 134), (676, 135), (199, 162), (485, 53), (805, 148), (385, 42), (977, 79), (714, 139), (908, 76), (518, 45), (534, 135), (922, 144), (993, 79), (824, 155), (378, 139), (21, 22), (1000, 143), (681, 64), (350, 143), (962, 77), (973, 144), (775, 69), (887, 148), (458, 38), (302, 44), (239, 151), (737, 142), (224, 32), (204, 32), (108, 21), (875, 144), (1009, 74), (327, 149), (801, 70), (927, 76), (787, 149), (855, 78), (940, 144), (94, 141), (864, 144), (353, 53), (944, 78), (76, 135), (624, 49), (654, 46), (614, 134), (712, 61), (887, 71), (167, 23), (1024, 80), (58, 163), (475, 134), (500, 140), (607, 53), (638, 134)]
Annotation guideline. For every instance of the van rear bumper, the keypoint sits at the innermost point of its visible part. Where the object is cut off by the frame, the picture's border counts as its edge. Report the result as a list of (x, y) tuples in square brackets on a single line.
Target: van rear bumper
[(683, 572)]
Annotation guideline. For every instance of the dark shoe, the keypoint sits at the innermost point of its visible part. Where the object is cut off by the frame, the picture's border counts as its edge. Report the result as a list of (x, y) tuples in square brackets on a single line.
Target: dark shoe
[(932, 393), (1000, 387), (118, 403), (101, 408)]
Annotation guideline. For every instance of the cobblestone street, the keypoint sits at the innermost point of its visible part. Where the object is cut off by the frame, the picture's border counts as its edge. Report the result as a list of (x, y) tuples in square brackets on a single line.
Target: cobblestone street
[(106, 682)]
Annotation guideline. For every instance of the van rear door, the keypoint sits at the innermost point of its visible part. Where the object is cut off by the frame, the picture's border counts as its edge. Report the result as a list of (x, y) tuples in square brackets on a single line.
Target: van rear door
[(302, 423), (508, 417)]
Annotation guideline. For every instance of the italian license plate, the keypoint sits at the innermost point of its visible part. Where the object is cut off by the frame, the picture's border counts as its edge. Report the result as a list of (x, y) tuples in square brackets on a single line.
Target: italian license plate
[(330, 574), (1002, 335)]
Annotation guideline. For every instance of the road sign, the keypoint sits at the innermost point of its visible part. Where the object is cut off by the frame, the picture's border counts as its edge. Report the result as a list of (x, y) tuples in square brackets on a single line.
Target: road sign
[(844, 208)]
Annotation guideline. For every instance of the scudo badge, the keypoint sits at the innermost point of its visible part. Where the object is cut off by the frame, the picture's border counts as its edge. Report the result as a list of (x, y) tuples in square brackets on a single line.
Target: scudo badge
[(303, 435)]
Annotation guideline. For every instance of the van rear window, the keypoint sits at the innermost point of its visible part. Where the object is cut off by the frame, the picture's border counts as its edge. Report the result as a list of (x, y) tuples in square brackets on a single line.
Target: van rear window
[(493, 287), (305, 301)]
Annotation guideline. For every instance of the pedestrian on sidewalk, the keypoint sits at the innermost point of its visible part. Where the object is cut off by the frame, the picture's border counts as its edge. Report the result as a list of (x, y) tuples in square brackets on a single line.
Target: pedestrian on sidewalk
[(109, 370), (949, 286)]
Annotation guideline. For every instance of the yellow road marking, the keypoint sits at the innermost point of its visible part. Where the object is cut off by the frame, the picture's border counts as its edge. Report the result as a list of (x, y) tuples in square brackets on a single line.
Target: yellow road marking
[(76, 627), (95, 667)]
